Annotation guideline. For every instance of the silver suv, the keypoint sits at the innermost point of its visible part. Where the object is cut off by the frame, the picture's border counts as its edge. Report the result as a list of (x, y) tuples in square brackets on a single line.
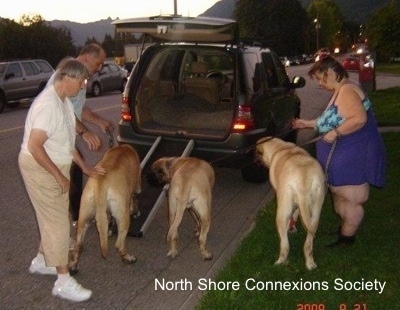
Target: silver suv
[(22, 80), (199, 82)]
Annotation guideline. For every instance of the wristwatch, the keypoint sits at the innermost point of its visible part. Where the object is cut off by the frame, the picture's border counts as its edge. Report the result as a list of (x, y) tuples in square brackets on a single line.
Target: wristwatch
[(83, 130)]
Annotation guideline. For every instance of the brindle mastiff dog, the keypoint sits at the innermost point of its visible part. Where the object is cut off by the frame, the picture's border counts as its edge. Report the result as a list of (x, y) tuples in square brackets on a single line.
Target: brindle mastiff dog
[(191, 181), (114, 194), (299, 182)]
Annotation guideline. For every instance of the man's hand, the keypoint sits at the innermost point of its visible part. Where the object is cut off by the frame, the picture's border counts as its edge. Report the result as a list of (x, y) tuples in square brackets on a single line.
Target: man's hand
[(93, 142), (105, 126)]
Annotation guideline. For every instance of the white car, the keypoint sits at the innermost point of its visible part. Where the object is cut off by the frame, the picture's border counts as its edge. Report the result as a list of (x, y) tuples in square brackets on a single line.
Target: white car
[(285, 61)]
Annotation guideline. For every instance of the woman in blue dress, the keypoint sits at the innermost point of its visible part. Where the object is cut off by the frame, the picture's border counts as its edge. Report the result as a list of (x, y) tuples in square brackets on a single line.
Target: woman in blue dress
[(351, 150)]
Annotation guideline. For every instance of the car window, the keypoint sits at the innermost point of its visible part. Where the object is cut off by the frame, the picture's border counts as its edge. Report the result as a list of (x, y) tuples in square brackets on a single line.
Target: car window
[(283, 79), (14, 70), (2, 69), (105, 69), (250, 82), (44, 66), (113, 68), (270, 70), (30, 68), (165, 65), (169, 71)]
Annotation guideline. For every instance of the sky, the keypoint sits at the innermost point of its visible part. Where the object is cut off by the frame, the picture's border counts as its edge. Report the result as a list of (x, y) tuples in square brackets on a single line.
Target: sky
[(85, 11)]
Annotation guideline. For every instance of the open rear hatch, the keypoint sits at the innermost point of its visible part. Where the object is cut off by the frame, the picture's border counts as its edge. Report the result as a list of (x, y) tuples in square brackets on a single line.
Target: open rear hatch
[(184, 89), (175, 28)]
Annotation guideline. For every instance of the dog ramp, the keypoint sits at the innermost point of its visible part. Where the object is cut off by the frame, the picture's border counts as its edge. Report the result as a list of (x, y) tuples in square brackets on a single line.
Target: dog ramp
[(153, 194)]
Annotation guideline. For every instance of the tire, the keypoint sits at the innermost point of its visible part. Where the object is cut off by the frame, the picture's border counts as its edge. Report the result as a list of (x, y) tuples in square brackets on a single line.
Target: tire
[(96, 90), (13, 104), (3, 102), (255, 173)]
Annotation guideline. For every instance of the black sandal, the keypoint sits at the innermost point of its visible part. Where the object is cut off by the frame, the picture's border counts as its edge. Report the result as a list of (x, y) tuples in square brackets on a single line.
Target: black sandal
[(342, 241)]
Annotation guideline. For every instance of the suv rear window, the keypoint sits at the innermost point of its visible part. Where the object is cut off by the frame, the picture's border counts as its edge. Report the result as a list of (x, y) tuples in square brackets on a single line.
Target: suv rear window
[(44, 66)]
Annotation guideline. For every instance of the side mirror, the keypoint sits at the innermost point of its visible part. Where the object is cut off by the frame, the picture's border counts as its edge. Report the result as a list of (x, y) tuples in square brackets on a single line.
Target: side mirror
[(298, 82)]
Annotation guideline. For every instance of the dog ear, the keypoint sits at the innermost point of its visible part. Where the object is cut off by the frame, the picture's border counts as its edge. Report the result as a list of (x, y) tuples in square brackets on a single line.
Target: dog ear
[(169, 163)]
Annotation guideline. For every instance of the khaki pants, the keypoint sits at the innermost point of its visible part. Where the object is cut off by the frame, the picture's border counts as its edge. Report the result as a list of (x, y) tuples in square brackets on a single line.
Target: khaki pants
[(51, 208)]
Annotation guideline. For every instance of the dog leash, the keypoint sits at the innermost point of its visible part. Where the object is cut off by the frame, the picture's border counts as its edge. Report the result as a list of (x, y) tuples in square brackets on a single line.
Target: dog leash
[(110, 138), (252, 147)]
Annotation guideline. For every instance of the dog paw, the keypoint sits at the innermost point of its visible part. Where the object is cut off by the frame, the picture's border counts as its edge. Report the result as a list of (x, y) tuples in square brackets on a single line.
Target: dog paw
[(136, 214), (207, 256), (311, 266), (129, 259), (281, 262), (172, 254)]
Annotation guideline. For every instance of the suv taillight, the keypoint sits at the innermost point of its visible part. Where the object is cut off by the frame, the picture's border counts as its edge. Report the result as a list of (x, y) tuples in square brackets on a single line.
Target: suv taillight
[(125, 110), (244, 119)]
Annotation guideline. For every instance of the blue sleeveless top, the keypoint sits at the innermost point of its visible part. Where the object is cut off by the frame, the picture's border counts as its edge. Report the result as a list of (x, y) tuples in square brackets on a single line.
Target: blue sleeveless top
[(331, 117)]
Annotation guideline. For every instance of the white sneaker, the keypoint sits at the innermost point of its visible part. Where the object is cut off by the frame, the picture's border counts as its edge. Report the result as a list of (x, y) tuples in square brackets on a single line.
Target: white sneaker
[(39, 266), (71, 290)]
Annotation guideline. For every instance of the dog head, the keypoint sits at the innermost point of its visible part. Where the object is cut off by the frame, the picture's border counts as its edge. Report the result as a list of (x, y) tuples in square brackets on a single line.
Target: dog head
[(162, 169), (263, 152), (268, 147)]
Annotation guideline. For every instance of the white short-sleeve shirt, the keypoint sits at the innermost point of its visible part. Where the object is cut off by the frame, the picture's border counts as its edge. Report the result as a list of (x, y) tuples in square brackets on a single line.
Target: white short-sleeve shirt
[(56, 117)]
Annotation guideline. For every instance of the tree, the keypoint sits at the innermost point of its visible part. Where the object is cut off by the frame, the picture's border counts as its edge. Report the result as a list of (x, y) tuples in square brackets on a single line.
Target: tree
[(327, 21), (383, 31), (33, 37), (281, 24), (109, 45)]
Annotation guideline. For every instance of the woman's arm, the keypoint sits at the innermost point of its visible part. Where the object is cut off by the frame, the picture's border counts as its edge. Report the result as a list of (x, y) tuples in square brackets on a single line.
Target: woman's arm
[(36, 141), (299, 123), (89, 171)]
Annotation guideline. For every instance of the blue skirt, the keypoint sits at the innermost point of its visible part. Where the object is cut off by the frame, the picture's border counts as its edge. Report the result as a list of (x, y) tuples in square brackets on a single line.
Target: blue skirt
[(357, 158)]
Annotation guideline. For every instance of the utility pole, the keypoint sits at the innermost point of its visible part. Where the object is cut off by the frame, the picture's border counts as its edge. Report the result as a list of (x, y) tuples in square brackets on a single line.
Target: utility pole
[(317, 28)]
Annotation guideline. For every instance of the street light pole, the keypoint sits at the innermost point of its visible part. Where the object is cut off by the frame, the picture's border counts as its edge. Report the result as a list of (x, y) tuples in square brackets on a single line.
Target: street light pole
[(317, 27)]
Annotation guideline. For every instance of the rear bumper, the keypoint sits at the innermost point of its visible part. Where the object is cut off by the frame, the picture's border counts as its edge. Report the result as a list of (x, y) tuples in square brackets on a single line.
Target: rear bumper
[(234, 151)]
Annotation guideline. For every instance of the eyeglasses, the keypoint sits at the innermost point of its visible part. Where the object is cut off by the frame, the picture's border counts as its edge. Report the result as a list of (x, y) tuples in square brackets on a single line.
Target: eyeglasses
[(83, 78)]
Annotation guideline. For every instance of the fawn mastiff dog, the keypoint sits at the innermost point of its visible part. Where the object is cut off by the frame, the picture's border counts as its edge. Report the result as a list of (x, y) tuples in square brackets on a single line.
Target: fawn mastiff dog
[(190, 187), (299, 182), (113, 194)]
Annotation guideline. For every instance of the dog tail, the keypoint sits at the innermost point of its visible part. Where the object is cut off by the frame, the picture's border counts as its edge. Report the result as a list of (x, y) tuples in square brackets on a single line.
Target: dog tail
[(101, 217), (312, 207)]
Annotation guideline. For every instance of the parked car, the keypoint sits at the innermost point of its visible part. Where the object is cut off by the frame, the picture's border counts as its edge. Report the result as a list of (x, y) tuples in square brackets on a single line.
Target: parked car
[(351, 63), (111, 77), (200, 82), (128, 66), (22, 79), (285, 61), (322, 52)]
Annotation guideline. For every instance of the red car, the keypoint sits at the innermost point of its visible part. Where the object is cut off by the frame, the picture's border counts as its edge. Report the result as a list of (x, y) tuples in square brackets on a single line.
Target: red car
[(351, 63)]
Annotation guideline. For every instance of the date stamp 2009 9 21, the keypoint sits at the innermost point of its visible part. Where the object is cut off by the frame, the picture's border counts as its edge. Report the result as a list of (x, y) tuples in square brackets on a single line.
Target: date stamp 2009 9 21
[(321, 306)]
